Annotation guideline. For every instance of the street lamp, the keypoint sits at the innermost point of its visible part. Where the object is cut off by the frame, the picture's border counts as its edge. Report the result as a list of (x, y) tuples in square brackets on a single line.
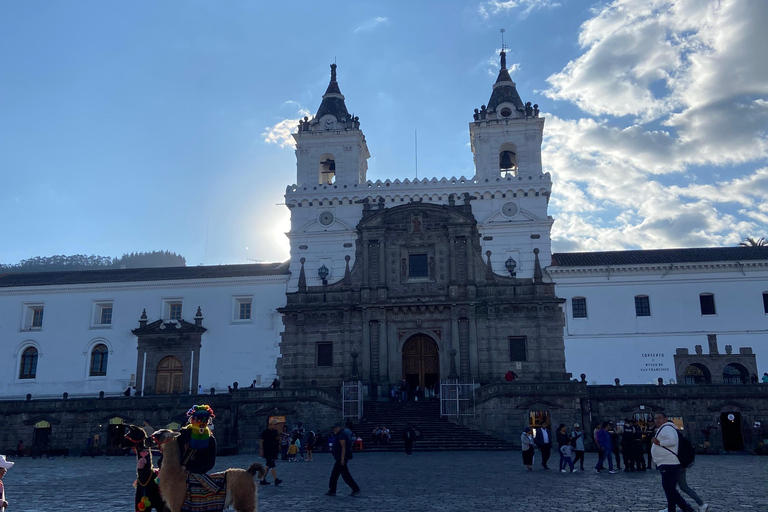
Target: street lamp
[(511, 266), (322, 273)]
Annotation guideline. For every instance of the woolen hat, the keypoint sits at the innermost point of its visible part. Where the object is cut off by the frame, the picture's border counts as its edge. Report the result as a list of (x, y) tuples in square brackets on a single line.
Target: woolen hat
[(4, 463)]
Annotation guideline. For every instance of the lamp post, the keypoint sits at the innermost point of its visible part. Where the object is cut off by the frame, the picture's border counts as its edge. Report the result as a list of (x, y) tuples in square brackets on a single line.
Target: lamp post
[(322, 273), (511, 266)]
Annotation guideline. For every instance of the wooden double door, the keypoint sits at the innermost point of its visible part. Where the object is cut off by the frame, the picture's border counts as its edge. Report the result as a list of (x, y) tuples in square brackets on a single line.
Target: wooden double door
[(170, 376), (421, 362)]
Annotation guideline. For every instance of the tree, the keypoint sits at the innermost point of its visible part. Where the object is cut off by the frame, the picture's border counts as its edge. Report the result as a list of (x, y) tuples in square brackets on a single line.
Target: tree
[(752, 242)]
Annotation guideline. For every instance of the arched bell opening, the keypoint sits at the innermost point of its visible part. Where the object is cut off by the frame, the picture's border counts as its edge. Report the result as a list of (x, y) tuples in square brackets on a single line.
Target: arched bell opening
[(735, 373), (508, 160), (327, 169), (697, 373)]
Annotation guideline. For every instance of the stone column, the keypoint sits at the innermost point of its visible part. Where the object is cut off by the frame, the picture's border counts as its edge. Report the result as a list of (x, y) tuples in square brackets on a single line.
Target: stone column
[(383, 357), (474, 364), (366, 349)]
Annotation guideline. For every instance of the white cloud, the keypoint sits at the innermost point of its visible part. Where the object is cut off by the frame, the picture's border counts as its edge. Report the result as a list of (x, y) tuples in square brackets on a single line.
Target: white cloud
[(696, 71), (280, 132), (371, 24), (494, 7)]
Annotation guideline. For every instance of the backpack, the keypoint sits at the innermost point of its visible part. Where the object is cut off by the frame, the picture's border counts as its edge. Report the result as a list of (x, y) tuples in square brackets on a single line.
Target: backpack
[(685, 451)]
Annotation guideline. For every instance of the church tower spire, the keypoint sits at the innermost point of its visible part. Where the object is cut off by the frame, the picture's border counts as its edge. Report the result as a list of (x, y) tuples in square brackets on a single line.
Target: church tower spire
[(330, 147)]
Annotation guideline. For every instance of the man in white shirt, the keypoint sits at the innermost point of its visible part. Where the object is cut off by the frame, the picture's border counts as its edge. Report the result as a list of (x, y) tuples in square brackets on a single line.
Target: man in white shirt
[(664, 452)]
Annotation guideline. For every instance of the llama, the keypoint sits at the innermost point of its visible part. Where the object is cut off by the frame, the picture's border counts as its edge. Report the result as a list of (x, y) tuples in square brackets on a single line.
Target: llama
[(147, 491), (240, 487)]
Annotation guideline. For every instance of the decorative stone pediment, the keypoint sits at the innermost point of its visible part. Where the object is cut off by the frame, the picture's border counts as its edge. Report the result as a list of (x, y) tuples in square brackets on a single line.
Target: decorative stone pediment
[(635, 406), (37, 419), (167, 328), (729, 405), (538, 404)]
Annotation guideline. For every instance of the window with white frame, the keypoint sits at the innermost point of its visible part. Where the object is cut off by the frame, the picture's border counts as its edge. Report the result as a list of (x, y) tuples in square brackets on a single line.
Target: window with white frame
[(172, 309), (101, 315), (242, 309), (32, 317)]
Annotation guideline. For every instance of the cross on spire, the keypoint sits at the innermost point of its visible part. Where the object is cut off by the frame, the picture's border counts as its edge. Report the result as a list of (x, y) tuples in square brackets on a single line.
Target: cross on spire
[(503, 50)]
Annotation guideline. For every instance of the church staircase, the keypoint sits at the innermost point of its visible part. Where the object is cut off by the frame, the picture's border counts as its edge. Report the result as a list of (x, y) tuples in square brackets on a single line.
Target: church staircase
[(436, 433)]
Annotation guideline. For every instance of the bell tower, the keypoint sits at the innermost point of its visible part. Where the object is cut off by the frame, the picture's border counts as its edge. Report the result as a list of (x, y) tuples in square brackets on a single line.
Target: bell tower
[(506, 136), (330, 147), (331, 165)]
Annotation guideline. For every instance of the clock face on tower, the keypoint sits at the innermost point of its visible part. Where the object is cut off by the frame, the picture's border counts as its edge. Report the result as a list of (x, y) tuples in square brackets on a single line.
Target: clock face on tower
[(509, 209), (326, 218), (329, 124)]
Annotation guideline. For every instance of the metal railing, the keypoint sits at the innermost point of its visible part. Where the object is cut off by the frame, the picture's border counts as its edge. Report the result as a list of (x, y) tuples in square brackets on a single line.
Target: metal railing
[(352, 399), (457, 398)]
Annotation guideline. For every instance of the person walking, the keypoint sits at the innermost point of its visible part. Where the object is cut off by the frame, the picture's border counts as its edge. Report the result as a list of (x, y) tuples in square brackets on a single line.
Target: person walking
[(298, 433), (664, 450), (543, 441), (342, 453), (409, 436), (638, 448), (527, 446), (606, 449), (269, 448), (577, 440), (562, 440)]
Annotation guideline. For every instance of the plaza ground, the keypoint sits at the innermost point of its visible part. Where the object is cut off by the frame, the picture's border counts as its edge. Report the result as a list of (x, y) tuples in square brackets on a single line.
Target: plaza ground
[(428, 481)]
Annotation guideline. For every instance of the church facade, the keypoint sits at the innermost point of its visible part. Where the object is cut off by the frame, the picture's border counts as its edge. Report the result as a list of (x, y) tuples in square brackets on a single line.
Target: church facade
[(416, 280)]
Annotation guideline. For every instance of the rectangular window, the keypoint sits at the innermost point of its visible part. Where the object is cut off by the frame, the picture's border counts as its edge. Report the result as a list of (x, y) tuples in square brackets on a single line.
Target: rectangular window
[(418, 265), (245, 310), (174, 312), (37, 318), (106, 315), (642, 305), (517, 350), (325, 354), (707, 301), (579, 307), (765, 302)]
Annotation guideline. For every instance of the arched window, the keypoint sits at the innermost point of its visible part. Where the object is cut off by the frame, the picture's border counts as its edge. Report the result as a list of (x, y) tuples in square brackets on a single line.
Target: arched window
[(28, 368), (735, 373), (642, 305), (508, 160), (327, 169), (697, 373), (99, 360)]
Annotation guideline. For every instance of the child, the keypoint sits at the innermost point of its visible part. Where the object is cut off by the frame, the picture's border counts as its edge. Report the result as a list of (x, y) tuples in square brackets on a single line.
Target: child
[(310, 445), (292, 451), (4, 467), (566, 456)]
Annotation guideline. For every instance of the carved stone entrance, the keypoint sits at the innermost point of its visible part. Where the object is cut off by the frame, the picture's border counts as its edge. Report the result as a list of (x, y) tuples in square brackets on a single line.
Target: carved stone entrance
[(421, 362), (170, 376)]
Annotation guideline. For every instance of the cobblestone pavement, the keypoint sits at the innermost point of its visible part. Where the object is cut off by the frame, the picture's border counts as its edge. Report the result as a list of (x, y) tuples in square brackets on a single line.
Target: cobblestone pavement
[(452, 481)]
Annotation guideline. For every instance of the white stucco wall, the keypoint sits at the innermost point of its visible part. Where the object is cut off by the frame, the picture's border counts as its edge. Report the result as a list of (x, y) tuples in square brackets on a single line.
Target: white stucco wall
[(231, 351), (614, 343)]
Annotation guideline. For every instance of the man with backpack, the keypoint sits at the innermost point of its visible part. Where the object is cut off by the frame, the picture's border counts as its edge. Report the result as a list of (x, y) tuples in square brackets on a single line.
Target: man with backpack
[(668, 454)]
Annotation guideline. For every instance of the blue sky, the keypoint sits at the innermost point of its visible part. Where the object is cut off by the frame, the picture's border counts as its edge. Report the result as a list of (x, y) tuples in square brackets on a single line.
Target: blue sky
[(137, 126)]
